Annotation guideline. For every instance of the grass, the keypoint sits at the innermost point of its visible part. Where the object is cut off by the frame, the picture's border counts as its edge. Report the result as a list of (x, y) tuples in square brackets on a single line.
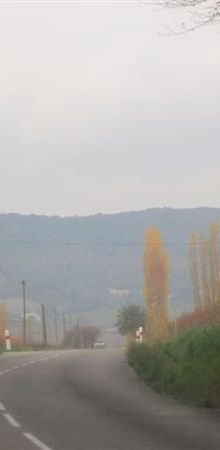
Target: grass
[(187, 366)]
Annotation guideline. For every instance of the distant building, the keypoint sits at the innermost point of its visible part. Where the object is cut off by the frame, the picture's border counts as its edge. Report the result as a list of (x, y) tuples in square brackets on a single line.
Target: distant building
[(118, 293)]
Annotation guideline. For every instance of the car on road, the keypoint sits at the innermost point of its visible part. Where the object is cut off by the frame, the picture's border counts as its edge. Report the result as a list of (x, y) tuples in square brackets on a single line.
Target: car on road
[(99, 344)]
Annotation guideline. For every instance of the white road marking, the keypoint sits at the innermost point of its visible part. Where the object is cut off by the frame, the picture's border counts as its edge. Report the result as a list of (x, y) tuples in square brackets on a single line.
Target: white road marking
[(28, 363), (2, 408), (11, 420), (36, 441)]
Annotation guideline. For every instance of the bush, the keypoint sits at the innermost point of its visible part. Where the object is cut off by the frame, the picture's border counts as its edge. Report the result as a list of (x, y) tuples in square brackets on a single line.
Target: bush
[(187, 366)]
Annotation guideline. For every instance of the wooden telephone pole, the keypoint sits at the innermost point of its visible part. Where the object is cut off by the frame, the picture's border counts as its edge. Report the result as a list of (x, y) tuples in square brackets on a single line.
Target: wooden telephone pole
[(56, 327), (24, 311), (44, 325)]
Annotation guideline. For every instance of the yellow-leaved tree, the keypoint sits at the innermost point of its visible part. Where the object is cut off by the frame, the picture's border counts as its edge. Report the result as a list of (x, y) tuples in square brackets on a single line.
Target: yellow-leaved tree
[(2, 322), (214, 262), (155, 267), (204, 268), (193, 252)]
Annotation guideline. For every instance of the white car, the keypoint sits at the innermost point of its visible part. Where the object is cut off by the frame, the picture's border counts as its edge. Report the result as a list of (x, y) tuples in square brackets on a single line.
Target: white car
[(99, 344)]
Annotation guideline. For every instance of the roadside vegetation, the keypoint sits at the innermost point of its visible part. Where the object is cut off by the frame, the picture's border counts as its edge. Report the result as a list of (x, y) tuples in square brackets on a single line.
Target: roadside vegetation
[(182, 357), (129, 318), (186, 366)]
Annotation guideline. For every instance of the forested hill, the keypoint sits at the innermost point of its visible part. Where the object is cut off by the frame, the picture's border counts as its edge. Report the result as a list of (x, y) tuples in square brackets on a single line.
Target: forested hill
[(88, 263)]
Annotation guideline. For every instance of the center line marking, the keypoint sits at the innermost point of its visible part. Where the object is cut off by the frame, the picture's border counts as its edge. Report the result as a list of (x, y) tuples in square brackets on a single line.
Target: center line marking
[(11, 420), (28, 363), (36, 441)]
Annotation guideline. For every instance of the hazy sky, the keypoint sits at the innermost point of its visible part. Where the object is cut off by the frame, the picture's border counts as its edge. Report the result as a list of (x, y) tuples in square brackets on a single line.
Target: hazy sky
[(98, 113)]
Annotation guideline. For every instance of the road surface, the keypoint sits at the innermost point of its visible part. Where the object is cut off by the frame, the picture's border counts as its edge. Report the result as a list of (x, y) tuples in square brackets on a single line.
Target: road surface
[(91, 400)]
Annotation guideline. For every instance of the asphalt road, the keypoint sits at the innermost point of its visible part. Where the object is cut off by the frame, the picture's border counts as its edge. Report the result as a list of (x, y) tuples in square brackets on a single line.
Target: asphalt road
[(91, 400)]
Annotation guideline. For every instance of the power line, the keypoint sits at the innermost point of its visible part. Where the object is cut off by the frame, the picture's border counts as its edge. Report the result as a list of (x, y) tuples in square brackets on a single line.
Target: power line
[(91, 244), (99, 244)]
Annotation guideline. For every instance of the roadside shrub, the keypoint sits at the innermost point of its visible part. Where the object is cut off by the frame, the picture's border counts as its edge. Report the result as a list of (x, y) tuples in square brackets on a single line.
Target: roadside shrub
[(187, 366)]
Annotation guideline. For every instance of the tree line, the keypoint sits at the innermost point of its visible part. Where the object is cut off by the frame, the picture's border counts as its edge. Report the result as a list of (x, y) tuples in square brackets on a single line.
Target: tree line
[(204, 271)]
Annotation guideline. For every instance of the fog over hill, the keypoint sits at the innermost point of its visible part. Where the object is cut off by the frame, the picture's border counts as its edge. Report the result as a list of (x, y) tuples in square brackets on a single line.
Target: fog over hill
[(89, 264)]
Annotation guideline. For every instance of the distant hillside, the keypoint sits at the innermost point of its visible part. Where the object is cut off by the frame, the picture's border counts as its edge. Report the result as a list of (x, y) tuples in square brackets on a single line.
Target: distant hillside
[(90, 263)]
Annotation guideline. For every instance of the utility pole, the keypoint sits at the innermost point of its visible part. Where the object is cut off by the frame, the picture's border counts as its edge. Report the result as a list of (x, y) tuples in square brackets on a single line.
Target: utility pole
[(78, 332), (64, 325), (44, 325), (72, 331), (55, 326), (71, 322), (24, 311)]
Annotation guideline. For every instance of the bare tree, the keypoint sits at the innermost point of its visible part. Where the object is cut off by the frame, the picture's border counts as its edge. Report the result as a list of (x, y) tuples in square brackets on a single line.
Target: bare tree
[(199, 12)]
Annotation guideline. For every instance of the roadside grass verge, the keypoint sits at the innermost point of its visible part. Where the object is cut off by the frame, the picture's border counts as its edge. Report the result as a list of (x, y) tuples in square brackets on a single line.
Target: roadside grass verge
[(187, 366)]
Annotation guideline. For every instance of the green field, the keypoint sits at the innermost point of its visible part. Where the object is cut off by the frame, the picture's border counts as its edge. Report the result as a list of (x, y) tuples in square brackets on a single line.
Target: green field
[(187, 366)]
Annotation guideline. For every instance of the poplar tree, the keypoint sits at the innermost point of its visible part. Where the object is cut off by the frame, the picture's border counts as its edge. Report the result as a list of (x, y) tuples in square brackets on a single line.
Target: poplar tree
[(204, 270), (204, 267), (214, 262), (155, 267), (194, 269), (2, 322)]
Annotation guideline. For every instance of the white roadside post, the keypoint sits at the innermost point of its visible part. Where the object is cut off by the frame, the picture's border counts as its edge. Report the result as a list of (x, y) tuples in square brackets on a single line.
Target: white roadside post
[(7, 340), (141, 334), (137, 336)]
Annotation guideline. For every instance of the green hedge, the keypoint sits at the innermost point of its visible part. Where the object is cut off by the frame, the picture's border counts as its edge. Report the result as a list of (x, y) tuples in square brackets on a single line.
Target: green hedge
[(187, 366)]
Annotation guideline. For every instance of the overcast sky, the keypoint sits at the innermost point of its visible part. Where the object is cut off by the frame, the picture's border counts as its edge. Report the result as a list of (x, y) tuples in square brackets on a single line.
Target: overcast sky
[(98, 113)]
